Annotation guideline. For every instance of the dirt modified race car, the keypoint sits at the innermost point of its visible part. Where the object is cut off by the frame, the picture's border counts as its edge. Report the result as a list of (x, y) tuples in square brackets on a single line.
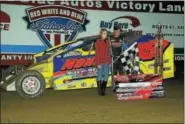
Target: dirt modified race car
[(72, 66)]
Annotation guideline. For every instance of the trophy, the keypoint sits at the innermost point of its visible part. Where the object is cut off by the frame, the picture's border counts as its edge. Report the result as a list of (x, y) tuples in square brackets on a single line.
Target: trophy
[(158, 60)]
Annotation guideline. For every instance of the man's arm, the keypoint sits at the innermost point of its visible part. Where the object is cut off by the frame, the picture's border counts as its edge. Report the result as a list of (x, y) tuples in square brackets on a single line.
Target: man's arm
[(124, 45)]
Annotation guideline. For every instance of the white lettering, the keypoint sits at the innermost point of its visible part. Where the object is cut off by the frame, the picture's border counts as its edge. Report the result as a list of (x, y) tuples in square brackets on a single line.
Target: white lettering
[(138, 6), (31, 14), (124, 5), (74, 3), (35, 14), (51, 2), (63, 2), (179, 58), (117, 5), (110, 4), (82, 3), (49, 11), (90, 3), (14, 57), (9, 57), (25, 1), (178, 8), (19, 57), (151, 6), (169, 8), (41, 2), (131, 5), (29, 57), (98, 4), (161, 7), (145, 6), (3, 57)]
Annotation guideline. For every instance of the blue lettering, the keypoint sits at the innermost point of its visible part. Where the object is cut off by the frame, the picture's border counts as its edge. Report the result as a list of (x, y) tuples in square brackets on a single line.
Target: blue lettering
[(104, 24)]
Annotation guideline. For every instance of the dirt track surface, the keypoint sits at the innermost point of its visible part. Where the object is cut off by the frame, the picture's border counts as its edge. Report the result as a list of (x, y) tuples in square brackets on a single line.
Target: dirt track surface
[(84, 106)]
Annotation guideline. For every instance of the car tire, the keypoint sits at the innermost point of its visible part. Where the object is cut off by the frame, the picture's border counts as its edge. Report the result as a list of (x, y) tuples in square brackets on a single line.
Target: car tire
[(30, 80)]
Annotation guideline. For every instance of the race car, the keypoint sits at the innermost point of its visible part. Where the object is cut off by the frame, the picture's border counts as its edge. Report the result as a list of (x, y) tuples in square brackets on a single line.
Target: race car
[(72, 66)]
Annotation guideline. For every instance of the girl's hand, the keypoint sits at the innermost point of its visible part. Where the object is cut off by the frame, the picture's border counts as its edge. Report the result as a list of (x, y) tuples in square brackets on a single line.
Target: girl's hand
[(99, 66)]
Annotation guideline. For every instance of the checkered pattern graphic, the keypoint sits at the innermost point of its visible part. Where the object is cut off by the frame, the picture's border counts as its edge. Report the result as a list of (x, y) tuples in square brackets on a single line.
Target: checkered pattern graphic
[(130, 57)]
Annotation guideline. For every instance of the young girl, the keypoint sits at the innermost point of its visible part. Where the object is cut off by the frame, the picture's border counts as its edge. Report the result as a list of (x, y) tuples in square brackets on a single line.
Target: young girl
[(103, 60)]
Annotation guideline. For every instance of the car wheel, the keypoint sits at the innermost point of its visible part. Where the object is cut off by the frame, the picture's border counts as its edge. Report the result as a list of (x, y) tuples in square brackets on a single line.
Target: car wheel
[(30, 84)]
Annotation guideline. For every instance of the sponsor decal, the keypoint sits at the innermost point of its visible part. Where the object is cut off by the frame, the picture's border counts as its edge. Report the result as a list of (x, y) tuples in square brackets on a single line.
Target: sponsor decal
[(4, 21), (147, 49), (124, 23), (73, 53), (92, 85), (71, 86), (140, 84), (158, 93), (83, 84), (85, 72), (166, 68), (120, 96), (76, 63), (134, 89), (55, 24)]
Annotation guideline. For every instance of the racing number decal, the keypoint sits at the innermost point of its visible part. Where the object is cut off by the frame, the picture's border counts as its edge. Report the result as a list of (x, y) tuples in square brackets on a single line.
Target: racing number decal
[(147, 49), (76, 63)]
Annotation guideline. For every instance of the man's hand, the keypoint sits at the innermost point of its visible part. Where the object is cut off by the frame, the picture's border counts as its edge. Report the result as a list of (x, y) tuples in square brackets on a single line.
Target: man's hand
[(99, 66)]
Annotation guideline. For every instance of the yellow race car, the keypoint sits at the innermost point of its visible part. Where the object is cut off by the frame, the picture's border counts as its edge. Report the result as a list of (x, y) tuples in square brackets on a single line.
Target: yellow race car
[(71, 66)]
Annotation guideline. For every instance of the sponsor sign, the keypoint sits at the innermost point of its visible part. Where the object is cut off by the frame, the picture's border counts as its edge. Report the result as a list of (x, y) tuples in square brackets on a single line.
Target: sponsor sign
[(125, 25), (179, 57), (56, 24), (4, 21), (13, 59), (138, 6)]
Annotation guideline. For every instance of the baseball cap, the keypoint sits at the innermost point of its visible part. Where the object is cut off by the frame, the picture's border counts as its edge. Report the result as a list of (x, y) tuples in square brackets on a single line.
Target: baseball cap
[(117, 27)]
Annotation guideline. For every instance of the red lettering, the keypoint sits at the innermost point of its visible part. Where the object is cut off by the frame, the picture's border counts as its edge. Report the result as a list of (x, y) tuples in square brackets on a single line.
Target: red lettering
[(79, 63), (147, 49), (89, 62), (68, 64)]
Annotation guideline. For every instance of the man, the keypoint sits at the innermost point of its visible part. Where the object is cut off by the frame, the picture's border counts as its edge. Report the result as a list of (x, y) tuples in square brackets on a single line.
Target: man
[(118, 46)]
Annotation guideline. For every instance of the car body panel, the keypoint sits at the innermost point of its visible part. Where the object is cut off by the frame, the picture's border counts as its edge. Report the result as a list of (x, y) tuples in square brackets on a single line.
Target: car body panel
[(74, 68)]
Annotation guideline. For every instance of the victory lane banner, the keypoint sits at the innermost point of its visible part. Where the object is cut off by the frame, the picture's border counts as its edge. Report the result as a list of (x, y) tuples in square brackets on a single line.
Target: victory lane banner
[(176, 7)]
